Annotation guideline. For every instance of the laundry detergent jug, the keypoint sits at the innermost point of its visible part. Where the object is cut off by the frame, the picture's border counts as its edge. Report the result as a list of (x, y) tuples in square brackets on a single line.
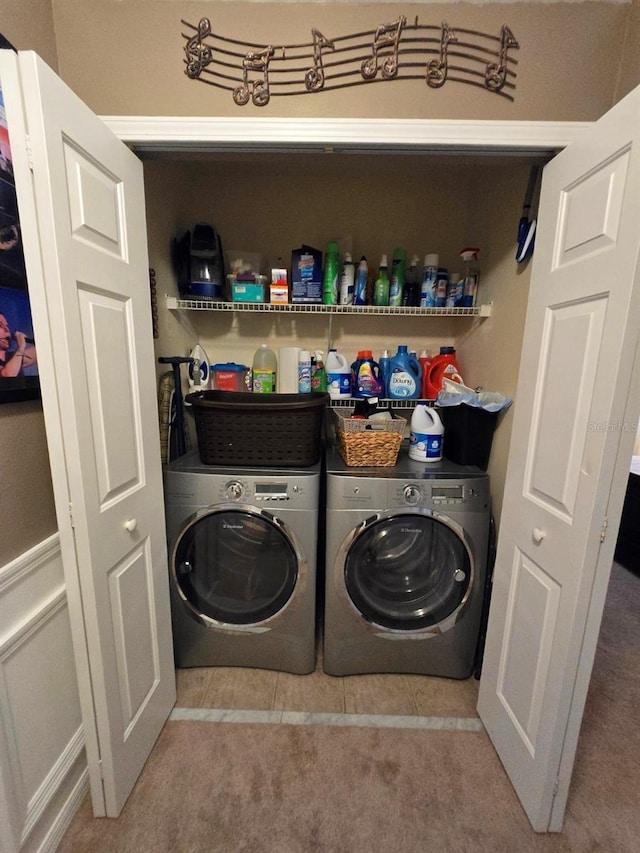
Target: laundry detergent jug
[(366, 380), (404, 376), (443, 366), (338, 375), (426, 436)]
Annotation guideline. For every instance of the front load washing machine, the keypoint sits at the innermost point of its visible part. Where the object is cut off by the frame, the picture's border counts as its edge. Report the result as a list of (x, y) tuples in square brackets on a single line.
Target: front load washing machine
[(406, 555), (242, 564)]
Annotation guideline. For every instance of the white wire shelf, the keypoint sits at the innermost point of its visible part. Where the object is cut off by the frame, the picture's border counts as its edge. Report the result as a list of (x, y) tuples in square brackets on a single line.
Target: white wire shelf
[(350, 402), (175, 304)]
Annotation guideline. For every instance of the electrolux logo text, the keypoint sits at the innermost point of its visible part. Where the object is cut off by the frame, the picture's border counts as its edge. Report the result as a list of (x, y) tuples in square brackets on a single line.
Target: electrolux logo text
[(615, 426)]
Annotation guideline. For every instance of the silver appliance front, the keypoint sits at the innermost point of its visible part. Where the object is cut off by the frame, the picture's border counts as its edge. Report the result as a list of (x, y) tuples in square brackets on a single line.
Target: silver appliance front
[(405, 568), (242, 545)]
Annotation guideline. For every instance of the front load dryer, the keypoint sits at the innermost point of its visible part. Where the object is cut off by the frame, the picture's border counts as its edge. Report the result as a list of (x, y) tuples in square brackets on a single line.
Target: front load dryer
[(242, 564), (406, 556)]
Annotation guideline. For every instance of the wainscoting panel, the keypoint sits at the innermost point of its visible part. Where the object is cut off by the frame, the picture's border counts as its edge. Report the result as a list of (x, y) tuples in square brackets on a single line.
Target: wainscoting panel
[(43, 768)]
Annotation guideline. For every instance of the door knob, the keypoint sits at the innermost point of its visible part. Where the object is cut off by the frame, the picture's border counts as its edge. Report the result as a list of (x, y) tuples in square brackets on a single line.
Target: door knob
[(131, 524), (538, 535)]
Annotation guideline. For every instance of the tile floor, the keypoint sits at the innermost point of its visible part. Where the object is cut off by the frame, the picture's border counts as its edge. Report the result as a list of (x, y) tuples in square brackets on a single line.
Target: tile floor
[(235, 688)]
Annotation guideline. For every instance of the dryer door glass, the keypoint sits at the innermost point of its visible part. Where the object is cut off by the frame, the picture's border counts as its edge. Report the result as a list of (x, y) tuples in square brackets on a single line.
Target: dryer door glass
[(235, 567), (408, 572)]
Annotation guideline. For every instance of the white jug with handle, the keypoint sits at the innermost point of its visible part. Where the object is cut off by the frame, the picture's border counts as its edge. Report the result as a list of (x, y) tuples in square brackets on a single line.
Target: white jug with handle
[(427, 432)]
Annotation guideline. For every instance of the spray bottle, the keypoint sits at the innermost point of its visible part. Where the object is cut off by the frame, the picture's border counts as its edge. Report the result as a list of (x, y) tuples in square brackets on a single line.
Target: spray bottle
[(318, 372), (396, 286), (330, 275), (471, 276), (411, 295), (347, 283), (362, 277), (381, 286)]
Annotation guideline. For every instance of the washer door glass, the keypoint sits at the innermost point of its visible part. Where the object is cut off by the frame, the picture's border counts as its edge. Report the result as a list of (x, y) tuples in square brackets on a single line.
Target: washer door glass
[(235, 566), (408, 572)]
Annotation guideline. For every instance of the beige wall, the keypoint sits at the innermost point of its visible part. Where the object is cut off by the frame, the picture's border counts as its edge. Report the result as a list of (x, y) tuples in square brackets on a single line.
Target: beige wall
[(629, 69), (28, 25), (26, 499), (127, 57)]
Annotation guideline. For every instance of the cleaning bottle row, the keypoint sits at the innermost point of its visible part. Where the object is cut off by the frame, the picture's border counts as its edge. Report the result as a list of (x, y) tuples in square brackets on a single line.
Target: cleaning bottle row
[(402, 376), (429, 286)]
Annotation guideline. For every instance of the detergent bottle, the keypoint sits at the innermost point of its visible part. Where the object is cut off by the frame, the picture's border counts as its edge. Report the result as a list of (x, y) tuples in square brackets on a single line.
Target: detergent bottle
[(338, 375), (404, 382), (426, 436), (365, 376), (425, 364), (443, 366), (384, 363)]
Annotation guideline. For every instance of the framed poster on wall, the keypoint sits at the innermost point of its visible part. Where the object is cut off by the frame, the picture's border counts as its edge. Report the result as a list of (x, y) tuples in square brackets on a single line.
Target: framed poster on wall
[(19, 378)]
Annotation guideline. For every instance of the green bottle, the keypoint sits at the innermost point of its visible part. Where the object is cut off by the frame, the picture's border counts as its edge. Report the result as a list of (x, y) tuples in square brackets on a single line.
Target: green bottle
[(396, 288), (381, 286), (330, 275)]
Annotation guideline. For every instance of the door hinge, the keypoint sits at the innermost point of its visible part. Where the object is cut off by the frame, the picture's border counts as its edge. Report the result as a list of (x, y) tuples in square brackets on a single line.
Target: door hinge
[(556, 786), (71, 517), (27, 140), (603, 532)]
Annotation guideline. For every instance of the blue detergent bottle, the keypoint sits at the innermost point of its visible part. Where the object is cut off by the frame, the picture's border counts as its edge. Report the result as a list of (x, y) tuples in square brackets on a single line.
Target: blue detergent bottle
[(384, 362), (405, 375)]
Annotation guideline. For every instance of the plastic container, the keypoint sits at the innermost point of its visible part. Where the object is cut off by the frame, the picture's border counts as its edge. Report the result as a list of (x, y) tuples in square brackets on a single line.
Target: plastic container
[(365, 376), (471, 276), (230, 377), (428, 291), (338, 375), (426, 437), (469, 434), (253, 430), (330, 275), (442, 285), (362, 279), (404, 378), (425, 364), (304, 372), (318, 372), (384, 371), (411, 295), (455, 291), (346, 285), (443, 366), (382, 284), (396, 283), (264, 370)]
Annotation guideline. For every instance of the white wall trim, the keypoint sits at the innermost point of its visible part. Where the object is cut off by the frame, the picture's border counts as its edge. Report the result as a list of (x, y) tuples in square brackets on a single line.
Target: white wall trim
[(192, 133), (66, 814), (25, 563), (45, 611), (54, 779)]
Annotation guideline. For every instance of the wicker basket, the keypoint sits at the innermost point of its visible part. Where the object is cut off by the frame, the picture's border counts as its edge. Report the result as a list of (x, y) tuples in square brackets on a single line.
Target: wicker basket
[(360, 445), (258, 430)]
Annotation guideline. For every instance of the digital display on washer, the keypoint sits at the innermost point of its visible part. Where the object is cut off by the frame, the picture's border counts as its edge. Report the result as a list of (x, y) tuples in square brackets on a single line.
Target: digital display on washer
[(271, 489), (450, 492)]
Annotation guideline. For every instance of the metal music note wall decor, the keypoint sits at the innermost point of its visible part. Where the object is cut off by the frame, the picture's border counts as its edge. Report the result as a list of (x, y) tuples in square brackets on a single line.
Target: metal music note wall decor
[(433, 54)]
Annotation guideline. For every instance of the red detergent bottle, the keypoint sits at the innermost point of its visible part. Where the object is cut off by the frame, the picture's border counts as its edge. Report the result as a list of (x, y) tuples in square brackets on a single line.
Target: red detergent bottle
[(443, 366)]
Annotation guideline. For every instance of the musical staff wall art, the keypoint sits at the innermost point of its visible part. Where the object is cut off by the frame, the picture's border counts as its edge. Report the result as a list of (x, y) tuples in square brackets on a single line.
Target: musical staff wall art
[(393, 51)]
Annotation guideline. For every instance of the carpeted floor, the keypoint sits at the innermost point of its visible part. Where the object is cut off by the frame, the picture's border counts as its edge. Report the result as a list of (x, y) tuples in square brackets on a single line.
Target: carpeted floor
[(225, 787)]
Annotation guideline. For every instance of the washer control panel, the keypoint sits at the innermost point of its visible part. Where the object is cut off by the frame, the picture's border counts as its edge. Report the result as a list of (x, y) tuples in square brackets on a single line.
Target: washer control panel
[(440, 494)]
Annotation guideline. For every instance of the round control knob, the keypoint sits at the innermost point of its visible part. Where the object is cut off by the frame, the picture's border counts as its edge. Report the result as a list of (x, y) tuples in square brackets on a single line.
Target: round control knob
[(411, 494), (234, 490)]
